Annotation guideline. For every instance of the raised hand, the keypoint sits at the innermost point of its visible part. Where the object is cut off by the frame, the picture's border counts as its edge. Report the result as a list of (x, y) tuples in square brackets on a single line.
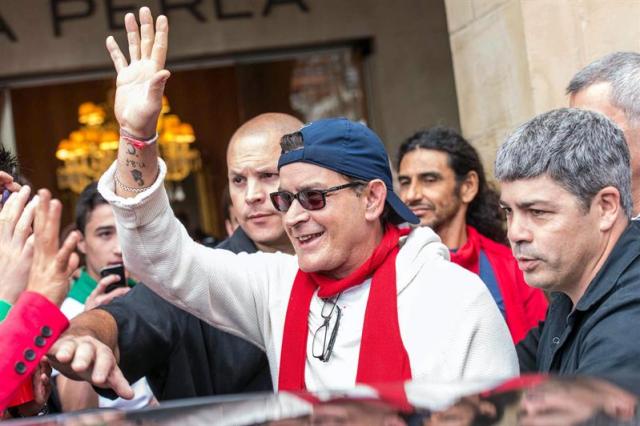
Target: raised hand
[(52, 266), (16, 245), (140, 83)]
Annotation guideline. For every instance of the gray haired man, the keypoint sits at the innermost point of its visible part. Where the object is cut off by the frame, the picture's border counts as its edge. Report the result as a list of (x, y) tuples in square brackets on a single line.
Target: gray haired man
[(611, 86), (566, 193)]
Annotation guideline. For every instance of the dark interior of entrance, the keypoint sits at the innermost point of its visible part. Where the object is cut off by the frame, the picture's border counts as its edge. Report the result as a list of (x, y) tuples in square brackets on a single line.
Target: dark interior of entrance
[(215, 101)]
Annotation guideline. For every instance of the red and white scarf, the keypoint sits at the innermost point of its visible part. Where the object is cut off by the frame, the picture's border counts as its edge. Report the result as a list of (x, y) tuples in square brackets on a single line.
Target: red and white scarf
[(383, 357)]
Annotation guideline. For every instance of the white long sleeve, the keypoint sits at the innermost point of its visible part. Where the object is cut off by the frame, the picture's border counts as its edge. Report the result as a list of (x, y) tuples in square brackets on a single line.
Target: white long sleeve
[(449, 324)]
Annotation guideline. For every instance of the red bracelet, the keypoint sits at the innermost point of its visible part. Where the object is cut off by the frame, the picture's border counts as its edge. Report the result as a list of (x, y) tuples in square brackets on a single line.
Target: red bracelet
[(138, 143)]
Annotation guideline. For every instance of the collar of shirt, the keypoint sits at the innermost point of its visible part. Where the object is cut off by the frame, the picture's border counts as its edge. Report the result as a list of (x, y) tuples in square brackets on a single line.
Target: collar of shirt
[(626, 250), (82, 287), (238, 242)]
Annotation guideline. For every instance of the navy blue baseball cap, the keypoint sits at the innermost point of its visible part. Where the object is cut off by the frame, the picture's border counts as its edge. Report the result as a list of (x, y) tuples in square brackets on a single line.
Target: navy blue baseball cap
[(351, 149)]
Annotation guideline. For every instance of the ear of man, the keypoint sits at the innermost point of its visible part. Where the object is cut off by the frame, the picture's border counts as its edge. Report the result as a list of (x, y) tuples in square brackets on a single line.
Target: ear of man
[(374, 196), (469, 187), (609, 209)]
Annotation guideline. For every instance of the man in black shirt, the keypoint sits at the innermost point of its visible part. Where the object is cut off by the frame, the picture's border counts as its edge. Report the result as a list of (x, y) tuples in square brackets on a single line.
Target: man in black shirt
[(180, 355), (566, 191)]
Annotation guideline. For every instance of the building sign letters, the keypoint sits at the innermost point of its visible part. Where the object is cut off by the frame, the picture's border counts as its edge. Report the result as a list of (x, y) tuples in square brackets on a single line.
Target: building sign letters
[(63, 11)]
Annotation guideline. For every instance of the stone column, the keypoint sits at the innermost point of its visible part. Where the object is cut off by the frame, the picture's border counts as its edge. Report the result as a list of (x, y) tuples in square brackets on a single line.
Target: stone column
[(513, 59)]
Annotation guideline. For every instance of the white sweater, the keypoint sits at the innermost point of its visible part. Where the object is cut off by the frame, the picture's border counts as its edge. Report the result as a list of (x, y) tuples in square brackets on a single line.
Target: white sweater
[(449, 323)]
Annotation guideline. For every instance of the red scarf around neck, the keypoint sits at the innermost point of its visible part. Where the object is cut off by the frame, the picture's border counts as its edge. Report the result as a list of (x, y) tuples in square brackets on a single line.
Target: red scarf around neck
[(383, 357), (468, 256)]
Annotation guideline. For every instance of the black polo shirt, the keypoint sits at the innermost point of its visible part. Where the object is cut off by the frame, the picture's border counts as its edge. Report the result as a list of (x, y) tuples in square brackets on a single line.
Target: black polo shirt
[(601, 336), (180, 355)]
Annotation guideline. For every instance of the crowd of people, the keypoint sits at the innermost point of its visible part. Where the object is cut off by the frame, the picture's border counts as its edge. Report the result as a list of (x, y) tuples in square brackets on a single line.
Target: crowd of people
[(330, 278)]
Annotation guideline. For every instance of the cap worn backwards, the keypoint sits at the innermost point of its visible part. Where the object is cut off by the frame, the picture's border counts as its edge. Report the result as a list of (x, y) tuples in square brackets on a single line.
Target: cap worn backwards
[(351, 149)]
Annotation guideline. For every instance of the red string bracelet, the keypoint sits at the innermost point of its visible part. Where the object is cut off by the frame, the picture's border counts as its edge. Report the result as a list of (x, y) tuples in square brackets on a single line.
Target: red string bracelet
[(138, 143)]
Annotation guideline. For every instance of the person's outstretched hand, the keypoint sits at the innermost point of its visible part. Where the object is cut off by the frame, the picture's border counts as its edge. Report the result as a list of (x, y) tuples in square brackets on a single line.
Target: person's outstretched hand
[(16, 245), (87, 358), (52, 265), (140, 83)]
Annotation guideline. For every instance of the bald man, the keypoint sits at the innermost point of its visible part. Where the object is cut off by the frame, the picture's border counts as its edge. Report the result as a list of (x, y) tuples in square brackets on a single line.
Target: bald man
[(252, 163), (180, 355)]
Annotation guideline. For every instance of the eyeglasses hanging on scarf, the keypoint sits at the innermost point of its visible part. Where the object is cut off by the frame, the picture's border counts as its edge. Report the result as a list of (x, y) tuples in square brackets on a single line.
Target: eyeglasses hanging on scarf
[(323, 352)]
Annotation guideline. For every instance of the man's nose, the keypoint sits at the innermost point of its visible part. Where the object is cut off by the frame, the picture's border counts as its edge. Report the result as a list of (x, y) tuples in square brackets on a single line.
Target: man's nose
[(411, 192), (117, 249), (518, 230), (295, 215), (255, 192)]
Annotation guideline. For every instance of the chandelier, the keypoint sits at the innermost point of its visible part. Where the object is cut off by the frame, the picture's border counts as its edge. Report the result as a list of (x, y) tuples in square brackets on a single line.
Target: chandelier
[(91, 149)]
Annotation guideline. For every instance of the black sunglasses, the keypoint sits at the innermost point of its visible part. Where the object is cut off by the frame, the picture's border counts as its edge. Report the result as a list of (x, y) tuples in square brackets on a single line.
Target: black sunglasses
[(310, 199)]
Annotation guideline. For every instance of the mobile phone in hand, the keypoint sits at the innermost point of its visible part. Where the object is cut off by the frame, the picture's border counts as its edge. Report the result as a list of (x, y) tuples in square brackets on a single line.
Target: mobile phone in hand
[(114, 270)]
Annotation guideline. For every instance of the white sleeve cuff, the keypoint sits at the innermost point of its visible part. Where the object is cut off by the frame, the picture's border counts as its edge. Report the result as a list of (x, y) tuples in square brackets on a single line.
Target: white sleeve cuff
[(144, 207)]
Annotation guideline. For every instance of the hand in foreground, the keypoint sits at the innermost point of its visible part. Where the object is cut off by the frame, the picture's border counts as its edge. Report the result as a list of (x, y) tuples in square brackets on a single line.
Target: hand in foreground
[(140, 83), (51, 267), (86, 358), (99, 297), (16, 245)]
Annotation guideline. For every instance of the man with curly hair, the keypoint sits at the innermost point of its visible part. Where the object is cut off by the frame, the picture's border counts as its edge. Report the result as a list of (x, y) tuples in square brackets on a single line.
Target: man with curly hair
[(443, 182)]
